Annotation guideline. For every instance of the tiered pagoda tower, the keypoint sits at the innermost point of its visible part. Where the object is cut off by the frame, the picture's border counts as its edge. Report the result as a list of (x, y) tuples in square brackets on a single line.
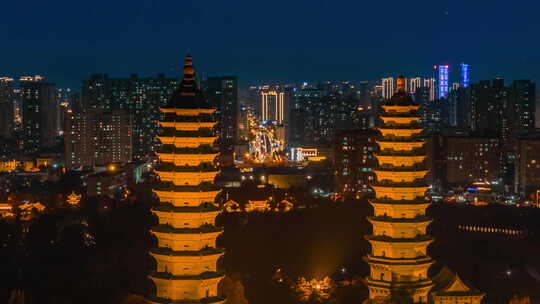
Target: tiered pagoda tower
[(398, 260), (186, 255)]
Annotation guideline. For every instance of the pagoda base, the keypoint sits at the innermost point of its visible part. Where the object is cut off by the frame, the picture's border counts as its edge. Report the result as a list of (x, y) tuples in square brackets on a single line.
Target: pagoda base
[(400, 292)]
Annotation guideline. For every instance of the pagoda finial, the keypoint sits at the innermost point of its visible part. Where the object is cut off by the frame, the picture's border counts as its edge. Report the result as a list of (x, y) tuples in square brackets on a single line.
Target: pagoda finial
[(401, 83)]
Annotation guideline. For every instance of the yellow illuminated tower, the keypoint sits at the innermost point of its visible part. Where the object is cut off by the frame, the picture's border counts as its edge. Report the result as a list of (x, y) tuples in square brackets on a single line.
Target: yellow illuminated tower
[(398, 260), (186, 254)]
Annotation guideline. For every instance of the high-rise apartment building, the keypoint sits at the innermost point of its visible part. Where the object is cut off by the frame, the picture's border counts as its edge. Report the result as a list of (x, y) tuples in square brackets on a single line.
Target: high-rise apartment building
[(528, 168), (464, 75), (522, 106), (140, 97), (7, 107), (443, 81), (67, 101), (388, 87), (471, 159), (488, 98), (222, 93), (431, 84), (274, 105), (501, 110), (366, 92), (354, 161), (413, 84), (39, 114), (94, 138), (319, 111), (459, 108)]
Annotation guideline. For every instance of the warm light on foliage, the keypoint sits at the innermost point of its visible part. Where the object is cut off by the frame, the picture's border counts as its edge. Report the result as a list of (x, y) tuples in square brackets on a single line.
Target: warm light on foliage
[(314, 290), (73, 199)]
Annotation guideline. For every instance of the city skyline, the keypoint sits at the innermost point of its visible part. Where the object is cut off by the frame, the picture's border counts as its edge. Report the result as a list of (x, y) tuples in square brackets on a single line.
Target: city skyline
[(300, 152), (139, 37)]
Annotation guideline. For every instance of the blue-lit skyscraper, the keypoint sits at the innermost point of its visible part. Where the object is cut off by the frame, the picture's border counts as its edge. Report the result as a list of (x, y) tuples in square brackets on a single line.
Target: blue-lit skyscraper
[(443, 81), (464, 75)]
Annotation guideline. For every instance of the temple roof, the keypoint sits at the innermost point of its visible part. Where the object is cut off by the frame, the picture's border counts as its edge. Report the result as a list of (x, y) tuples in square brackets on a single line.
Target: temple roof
[(188, 95), (448, 283), (202, 187)]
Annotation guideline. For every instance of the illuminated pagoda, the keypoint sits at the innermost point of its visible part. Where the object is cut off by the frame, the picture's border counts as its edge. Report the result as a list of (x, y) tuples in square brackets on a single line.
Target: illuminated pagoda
[(186, 255), (398, 260)]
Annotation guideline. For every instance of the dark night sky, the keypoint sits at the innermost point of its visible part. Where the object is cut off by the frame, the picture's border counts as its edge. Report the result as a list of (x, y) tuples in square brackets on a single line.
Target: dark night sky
[(269, 40)]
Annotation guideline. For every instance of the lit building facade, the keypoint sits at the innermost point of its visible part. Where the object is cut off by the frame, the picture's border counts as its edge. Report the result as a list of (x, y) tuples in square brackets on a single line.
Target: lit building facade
[(186, 255), (7, 107), (459, 106), (471, 159), (412, 85), (67, 101), (93, 138), (388, 87), (398, 260), (522, 106), (311, 118), (529, 166), (443, 78), (111, 183), (354, 161), (39, 114), (464, 73), (432, 85), (274, 106), (140, 97), (505, 111), (222, 93)]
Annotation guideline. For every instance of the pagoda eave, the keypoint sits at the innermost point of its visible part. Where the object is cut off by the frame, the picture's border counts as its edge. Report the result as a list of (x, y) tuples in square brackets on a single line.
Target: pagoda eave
[(423, 284), (187, 257), (187, 126), (209, 276), (170, 208), (403, 241), (212, 300), (400, 145), (398, 221), (397, 185), (173, 230), (402, 264), (399, 202), (400, 108), (400, 119), (187, 142), (188, 112)]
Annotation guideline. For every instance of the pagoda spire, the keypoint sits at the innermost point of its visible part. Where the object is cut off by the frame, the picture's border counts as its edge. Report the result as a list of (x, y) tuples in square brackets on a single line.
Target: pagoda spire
[(189, 83), (401, 84), (188, 94), (189, 70)]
